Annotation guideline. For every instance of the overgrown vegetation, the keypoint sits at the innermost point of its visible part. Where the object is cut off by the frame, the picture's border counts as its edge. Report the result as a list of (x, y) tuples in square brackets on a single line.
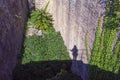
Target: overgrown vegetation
[(44, 57), (46, 47), (41, 19), (103, 55), (45, 70)]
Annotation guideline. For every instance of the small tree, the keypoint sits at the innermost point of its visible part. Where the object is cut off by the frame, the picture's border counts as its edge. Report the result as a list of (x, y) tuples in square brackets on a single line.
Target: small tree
[(41, 19)]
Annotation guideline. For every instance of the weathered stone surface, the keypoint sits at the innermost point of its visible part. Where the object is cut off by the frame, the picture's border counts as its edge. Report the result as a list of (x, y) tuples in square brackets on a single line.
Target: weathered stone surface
[(12, 20), (74, 19), (31, 5), (32, 31)]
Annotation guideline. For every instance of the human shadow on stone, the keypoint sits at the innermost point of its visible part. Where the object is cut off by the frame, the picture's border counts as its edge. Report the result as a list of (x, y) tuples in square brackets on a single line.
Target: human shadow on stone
[(78, 67), (74, 52)]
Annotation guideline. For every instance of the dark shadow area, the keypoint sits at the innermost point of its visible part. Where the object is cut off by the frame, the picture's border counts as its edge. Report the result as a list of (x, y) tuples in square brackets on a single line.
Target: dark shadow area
[(45, 70), (100, 74), (31, 6), (58, 70)]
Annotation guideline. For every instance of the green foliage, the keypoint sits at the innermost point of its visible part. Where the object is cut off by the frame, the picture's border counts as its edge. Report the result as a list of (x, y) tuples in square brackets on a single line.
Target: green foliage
[(87, 46), (46, 47), (97, 44), (103, 55), (41, 20), (42, 55)]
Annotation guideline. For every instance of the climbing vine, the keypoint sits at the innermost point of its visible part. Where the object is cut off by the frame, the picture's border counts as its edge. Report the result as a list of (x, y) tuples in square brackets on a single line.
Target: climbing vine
[(105, 62)]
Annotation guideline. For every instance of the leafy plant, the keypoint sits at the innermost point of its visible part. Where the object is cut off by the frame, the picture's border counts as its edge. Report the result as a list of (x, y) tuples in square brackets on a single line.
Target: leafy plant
[(103, 55), (41, 19), (46, 47)]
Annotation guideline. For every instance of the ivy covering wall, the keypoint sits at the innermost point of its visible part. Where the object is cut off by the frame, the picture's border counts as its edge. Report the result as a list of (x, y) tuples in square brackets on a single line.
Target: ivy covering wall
[(105, 59)]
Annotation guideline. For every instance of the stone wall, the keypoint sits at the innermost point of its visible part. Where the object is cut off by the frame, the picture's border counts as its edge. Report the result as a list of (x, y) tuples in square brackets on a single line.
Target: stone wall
[(13, 15), (74, 19)]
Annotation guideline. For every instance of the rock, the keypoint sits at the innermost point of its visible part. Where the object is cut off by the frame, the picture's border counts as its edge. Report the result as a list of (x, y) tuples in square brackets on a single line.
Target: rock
[(74, 19), (32, 31), (31, 5), (13, 15)]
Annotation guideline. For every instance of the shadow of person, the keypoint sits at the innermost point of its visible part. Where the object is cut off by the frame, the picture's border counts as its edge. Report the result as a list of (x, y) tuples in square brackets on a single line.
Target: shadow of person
[(74, 52), (78, 67)]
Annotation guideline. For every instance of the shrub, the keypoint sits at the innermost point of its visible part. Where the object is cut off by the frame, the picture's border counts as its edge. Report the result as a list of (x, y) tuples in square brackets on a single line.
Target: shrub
[(46, 47), (41, 19), (104, 57)]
